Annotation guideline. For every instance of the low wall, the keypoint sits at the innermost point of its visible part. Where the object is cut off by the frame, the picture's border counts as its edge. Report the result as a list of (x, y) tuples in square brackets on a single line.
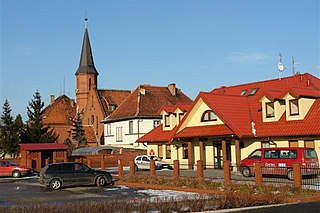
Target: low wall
[(110, 160)]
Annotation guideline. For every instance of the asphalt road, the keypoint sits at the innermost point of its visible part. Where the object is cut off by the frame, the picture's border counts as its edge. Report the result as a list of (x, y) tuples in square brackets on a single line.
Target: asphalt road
[(290, 208)]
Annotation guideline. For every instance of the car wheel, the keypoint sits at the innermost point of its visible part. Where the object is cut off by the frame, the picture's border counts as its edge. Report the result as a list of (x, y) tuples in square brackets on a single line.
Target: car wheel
[(55, 184), (16, 174), (290, 174), (136, 167), (246, 172), (101, 181)]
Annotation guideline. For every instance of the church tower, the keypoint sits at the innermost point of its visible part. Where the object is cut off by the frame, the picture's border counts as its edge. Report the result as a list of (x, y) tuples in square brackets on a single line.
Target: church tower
[(86, 74)]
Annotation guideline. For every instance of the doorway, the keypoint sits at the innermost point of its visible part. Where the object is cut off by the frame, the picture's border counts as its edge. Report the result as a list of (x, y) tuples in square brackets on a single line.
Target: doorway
[(218, 154)]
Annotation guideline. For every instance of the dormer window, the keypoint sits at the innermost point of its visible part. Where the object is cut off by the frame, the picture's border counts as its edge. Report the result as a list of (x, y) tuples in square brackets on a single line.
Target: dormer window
[(181, 116), (166, 120), (112, 107), (243, 92), (208, 116), (270, 109), (253, 92), (294, 107)]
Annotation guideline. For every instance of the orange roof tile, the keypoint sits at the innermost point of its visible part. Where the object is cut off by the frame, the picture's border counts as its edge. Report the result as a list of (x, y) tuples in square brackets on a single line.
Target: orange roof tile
[(157, 135), (205, 131), (60, 111), (112, 97), (145, 101)]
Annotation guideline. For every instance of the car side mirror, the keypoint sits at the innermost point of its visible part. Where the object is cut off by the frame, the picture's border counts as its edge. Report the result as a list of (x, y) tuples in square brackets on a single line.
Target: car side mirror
[(7, 165)]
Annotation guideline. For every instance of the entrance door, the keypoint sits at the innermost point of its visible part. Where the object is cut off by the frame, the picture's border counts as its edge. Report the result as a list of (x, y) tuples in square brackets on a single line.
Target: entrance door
[(218, 154), (45, 155)]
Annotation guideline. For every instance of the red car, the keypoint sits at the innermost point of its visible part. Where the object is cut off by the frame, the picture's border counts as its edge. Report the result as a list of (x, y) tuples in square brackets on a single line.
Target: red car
[(278, 161), (11, 168)]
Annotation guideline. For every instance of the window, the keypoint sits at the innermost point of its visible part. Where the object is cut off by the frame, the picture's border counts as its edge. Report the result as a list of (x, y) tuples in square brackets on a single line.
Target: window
[(108, 129), (256, 154), (208, 116), (97, 125), (310, 153), (92, 119), (168, 151), (112, 107), (294, 107), (156, 123), (253, 92), (243, 92), (272, 154), (160, 151), (130, 127), (270, 109), (119, 134), (89, 83), (166, 120), (185, 151), (265, 144), (293, 143)]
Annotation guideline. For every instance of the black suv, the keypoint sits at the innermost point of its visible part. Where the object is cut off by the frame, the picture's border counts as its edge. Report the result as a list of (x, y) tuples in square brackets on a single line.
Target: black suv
[(69, 174)]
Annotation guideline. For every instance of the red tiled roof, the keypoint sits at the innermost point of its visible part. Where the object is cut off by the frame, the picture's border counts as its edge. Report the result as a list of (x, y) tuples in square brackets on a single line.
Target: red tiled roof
[(149, 103), (42, 146), (239, 111), (173, 108), (205, 131), (157, 135), (112, 97), (60, 111), (308, 126)]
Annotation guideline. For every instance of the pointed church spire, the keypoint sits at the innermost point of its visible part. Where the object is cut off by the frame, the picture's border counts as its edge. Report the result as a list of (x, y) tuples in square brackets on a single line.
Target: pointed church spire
[(86, 64)]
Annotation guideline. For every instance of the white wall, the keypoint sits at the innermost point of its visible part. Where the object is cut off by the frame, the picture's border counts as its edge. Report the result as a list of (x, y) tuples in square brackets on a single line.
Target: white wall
[(128, 140)]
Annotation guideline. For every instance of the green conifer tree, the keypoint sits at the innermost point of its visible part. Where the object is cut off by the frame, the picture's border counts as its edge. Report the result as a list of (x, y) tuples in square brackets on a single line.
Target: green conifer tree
[(9, 136), (36, 132), (78, 135)]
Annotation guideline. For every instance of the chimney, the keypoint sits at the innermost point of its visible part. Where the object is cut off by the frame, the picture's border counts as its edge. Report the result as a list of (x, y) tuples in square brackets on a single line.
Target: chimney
[(72, 103), (172, 88), (51, 99)]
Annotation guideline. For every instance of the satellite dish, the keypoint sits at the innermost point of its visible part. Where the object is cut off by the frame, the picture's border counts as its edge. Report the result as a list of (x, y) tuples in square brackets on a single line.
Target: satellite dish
[(280, 67)]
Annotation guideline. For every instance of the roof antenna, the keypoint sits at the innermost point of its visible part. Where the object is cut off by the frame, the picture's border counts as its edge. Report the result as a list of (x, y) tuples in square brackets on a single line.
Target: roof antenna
[(294, 64), (280, 66), (86, 21)]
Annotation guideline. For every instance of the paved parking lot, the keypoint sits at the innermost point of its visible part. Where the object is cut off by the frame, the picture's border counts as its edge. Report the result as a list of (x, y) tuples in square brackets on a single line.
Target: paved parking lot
[(27, 191)]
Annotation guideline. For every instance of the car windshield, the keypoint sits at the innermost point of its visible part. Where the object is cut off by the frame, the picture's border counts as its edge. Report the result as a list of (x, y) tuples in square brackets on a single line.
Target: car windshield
[(310, 153), (155, 158), (12, 163)]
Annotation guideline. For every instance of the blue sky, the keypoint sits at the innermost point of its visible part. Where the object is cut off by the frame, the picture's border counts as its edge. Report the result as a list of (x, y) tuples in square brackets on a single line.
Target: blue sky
[(199, 45)]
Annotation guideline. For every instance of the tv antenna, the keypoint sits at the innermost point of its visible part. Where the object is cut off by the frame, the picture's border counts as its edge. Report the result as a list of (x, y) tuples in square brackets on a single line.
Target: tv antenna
[(280, 65), (294, 64)]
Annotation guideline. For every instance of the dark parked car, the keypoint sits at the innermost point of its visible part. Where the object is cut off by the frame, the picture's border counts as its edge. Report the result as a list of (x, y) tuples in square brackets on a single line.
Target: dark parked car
[(11, 168), (58, 175)]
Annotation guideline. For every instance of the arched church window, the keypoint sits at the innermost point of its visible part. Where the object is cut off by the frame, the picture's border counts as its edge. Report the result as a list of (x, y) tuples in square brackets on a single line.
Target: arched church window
[(89, 83), (92, 119)]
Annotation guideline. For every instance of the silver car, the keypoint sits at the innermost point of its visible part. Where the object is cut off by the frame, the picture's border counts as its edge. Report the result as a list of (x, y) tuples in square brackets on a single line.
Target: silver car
[(142, 162)]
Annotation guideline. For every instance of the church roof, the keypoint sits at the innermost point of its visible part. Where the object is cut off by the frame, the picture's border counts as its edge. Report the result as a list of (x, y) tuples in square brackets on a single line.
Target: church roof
[(86, 64)]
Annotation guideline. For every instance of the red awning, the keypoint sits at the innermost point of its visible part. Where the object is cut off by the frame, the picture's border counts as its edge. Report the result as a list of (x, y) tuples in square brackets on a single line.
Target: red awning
[(42, 146)]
